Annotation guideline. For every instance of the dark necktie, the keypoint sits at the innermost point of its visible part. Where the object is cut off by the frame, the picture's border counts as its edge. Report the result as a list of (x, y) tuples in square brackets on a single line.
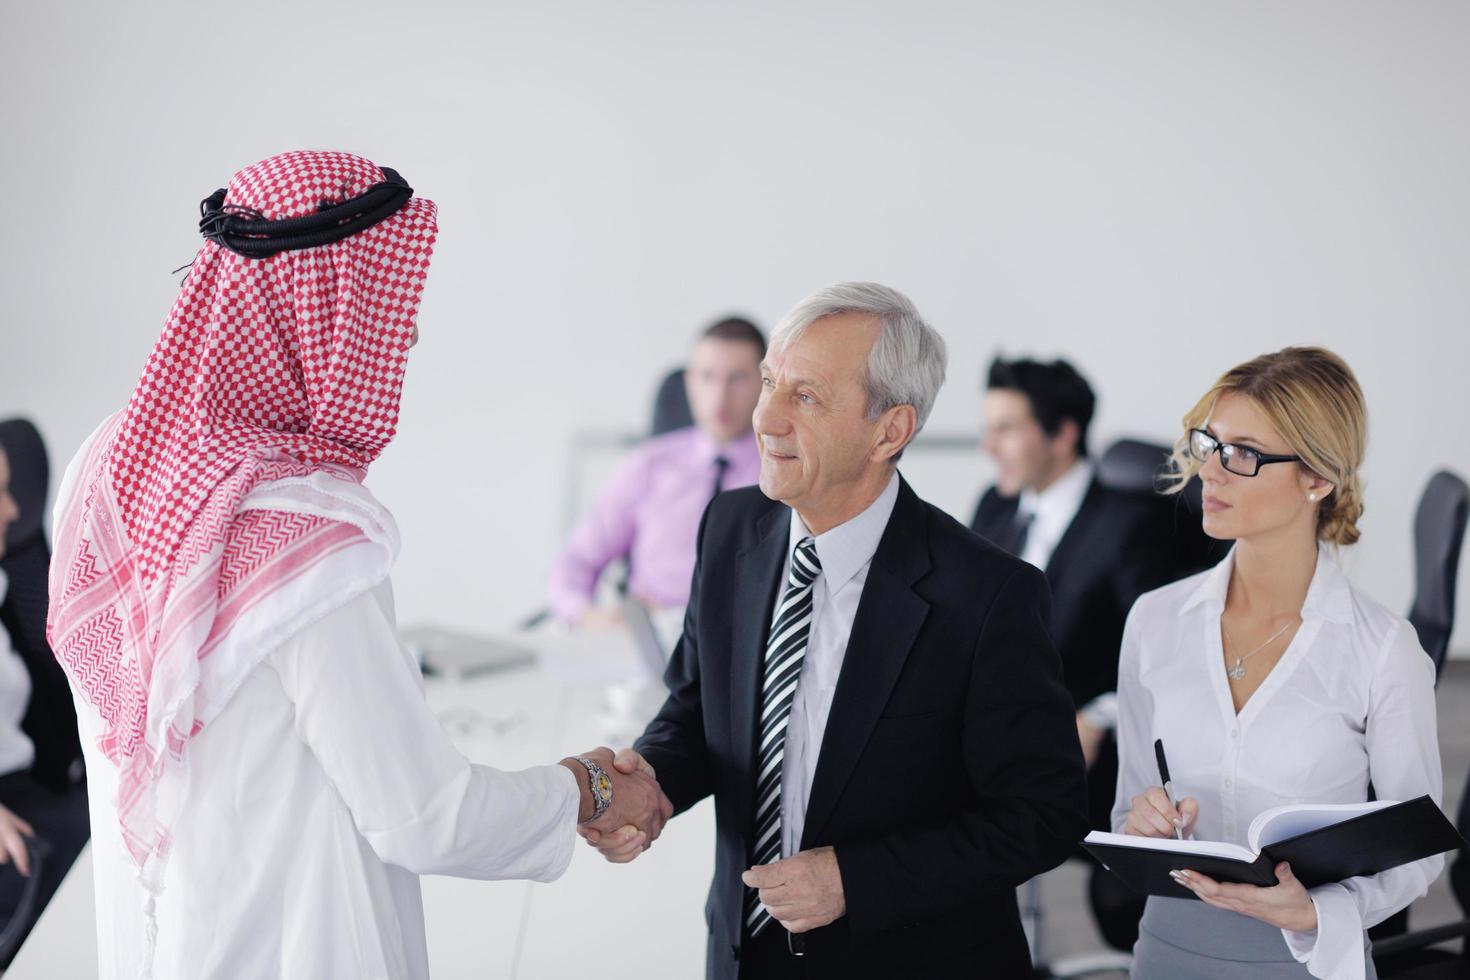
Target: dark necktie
[(721, 465), (1020, 530)]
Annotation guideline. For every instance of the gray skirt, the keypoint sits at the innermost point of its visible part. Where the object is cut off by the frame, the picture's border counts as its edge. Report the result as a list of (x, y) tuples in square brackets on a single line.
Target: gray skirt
[(1184, 939)]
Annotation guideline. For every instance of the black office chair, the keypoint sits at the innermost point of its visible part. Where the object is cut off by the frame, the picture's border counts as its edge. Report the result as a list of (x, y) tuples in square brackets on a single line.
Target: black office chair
[(671, 405), (1422, 955), (50, 720), (1439, 532), (1134, 466)]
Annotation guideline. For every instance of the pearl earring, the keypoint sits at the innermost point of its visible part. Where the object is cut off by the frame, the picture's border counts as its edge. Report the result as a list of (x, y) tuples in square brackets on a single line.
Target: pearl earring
[(1312, 497)]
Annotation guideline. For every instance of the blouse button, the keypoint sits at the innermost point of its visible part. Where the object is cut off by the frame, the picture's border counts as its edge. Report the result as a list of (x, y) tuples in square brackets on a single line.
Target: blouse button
[(1227, 784)]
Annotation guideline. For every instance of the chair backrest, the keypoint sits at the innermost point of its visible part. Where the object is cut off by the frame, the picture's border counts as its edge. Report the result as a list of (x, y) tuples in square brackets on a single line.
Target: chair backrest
[(671, 405), (1132, 465), (1138, 467), (50, 720), (1439, 533)]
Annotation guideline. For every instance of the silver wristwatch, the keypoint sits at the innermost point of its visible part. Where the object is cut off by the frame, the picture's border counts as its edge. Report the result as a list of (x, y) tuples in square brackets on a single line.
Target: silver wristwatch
[(600, 784)]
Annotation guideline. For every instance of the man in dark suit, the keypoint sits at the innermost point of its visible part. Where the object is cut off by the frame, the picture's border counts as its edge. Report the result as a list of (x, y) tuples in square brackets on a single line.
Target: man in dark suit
[(1100, 548), (866, 688)]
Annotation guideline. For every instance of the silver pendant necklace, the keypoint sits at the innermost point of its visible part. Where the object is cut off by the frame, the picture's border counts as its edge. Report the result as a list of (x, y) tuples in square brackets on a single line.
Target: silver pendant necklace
[(1237, 670)]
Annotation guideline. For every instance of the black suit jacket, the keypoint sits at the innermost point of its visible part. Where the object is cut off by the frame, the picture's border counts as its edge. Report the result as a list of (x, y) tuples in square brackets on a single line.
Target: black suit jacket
[(949, 772), (1118, 546), (1115, 549)]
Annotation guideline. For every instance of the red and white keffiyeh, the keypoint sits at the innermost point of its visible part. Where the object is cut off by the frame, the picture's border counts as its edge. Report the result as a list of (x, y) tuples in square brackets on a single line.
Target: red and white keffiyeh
[(222, 510)]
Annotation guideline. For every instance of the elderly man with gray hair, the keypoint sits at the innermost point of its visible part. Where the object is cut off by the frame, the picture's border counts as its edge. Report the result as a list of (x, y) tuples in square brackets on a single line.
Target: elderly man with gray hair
[(865, 687)]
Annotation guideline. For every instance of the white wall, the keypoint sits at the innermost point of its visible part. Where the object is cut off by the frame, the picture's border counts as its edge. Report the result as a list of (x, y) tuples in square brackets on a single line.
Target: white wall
[(1158, 190)]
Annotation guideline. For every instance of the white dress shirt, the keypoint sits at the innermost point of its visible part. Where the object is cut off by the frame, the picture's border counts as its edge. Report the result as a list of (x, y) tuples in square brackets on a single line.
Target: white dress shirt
[(845, 552), (16, 750), (1351, 700), (1051, 512), (315, 799)]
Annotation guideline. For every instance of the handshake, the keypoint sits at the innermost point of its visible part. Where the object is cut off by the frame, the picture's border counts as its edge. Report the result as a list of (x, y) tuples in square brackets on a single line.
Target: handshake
[(802, 892), (637, 813)]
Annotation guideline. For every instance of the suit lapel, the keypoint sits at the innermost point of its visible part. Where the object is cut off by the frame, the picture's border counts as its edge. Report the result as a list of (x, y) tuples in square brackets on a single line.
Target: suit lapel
[(757, 578), (997, 522), (889, 616), (1075, 535)]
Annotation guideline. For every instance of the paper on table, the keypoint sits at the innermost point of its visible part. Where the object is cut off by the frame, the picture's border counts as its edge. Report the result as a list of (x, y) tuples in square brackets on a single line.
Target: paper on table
[(594, 657)]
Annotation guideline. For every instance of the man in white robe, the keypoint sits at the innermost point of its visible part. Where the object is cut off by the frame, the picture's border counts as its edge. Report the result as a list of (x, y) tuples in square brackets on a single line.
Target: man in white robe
[(267, 781)]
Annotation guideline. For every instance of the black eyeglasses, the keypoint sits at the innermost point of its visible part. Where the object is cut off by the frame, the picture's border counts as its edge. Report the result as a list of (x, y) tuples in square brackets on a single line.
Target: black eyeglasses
[(1238, 459)]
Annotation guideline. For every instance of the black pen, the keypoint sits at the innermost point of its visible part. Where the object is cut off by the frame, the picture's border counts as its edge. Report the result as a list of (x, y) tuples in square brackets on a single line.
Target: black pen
[(1164, 774)]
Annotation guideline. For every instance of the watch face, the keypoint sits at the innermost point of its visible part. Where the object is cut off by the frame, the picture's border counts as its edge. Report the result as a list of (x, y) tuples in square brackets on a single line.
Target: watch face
[(604, 786)]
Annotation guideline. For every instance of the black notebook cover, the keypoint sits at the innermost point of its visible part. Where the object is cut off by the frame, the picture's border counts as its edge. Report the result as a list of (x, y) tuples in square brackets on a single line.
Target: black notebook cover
[(1361, 845)]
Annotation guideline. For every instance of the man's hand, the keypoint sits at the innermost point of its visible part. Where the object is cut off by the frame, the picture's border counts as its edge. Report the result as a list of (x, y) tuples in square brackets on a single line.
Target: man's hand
[(1091, 739), (597, 619), (12, 846), (802, 892), (621, 838), (1287, 905)]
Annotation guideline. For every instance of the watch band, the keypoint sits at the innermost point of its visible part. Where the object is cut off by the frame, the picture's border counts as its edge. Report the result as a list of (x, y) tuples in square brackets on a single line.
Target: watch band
[(600, 784)]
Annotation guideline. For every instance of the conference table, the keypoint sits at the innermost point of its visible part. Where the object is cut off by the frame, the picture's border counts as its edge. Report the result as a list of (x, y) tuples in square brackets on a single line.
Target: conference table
[(643, 920)]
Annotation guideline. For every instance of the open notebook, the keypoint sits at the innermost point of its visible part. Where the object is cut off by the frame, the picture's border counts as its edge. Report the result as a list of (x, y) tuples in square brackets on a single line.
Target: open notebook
[(1323, 842)]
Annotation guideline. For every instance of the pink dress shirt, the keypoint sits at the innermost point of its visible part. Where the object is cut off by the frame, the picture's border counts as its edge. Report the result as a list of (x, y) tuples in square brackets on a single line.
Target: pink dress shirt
[(649, 513)]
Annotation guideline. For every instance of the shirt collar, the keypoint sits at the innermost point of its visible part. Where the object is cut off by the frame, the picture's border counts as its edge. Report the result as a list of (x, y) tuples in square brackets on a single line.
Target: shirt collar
[(1064, 497), (1329, 597), (846, 548)]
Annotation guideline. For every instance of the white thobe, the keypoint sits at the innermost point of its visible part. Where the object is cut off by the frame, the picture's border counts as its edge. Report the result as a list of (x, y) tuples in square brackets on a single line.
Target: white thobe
[(314, 800)]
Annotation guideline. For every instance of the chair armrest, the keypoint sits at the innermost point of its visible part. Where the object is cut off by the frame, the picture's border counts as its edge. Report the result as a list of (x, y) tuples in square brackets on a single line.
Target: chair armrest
[(26, 911), (1420, 939)]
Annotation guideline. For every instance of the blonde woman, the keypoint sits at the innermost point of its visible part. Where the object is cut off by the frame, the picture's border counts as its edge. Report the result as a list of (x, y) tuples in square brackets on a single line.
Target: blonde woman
[(1271, 680)]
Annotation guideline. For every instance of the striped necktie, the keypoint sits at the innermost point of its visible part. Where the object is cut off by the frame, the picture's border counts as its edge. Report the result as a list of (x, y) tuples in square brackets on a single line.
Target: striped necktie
[(785, 651)]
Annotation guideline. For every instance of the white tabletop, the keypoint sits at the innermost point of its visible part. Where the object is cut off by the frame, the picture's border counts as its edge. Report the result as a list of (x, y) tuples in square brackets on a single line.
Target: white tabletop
[(645, 920)]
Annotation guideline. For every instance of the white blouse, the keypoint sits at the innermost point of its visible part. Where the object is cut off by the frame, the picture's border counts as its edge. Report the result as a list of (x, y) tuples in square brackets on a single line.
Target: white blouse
[(316, 798), (1351, 700), (16, 750)]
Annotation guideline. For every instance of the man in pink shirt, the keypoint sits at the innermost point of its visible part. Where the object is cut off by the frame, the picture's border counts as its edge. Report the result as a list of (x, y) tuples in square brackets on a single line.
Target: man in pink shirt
[(649, 512)]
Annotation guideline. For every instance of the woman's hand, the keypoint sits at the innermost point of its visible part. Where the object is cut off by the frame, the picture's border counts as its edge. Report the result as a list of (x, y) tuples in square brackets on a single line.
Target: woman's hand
[(1153, 816), (1285, 906), (12, 846)]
